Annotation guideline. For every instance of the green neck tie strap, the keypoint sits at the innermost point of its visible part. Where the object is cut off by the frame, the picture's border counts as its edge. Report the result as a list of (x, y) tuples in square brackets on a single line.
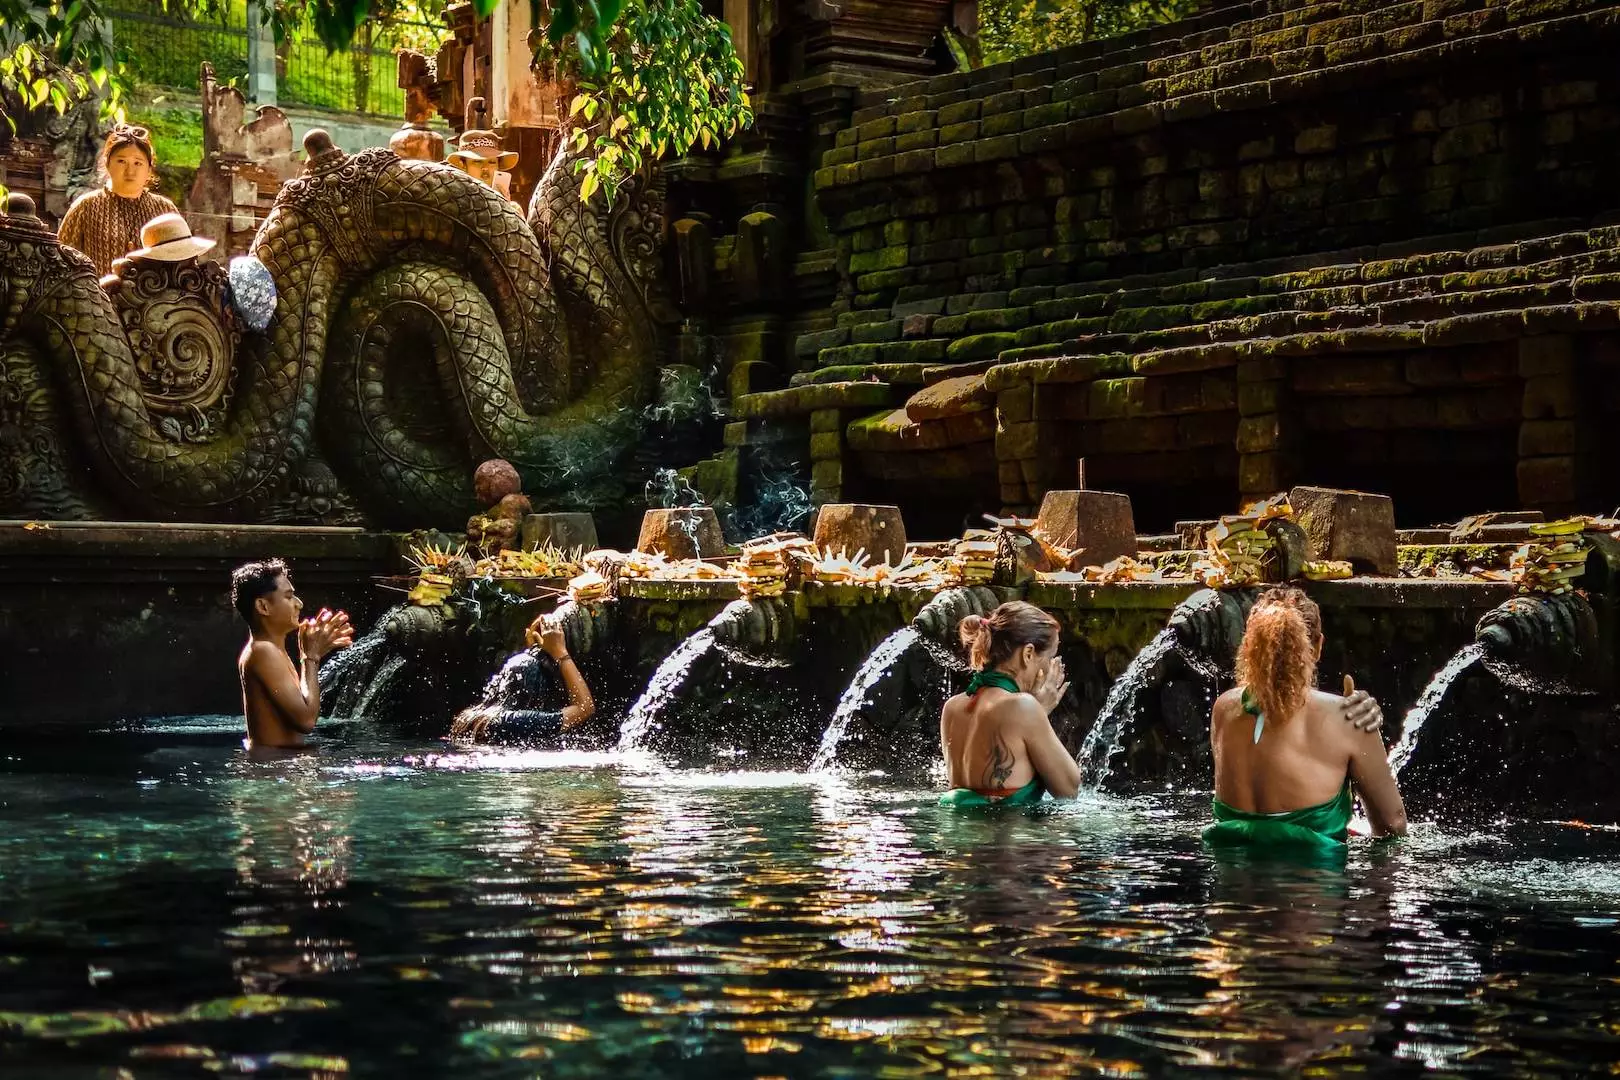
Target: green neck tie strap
[(987, 677)]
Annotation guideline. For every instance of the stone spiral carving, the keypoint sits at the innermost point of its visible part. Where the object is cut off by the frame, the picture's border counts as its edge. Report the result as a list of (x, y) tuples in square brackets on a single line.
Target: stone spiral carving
[(422, 325)]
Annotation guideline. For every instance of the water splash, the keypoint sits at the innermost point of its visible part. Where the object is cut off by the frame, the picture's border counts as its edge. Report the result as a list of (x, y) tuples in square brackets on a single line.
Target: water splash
[(858, 695), (348, 672), (666, 681), (1106, 737), (1428, 701)]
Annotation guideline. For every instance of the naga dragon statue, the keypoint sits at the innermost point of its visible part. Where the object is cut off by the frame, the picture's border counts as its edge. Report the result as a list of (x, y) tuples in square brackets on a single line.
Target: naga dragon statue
[(420, 325)]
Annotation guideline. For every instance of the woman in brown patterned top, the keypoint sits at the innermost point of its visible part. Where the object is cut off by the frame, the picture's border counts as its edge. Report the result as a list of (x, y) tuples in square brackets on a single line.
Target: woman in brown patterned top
[(106, 223)]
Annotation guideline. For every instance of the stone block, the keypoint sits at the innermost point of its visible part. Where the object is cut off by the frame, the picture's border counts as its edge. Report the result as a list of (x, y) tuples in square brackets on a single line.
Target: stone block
[(1354, 526), (1017, 441), (1016, 403), (751, 377), (564, 530), (1547, 481), (826, 446), (1260, 474), (980, 346), (1100, 524), (682, 532), (878, 530), (1548, 397), (735, 434), (950, 397), (1546, 438)]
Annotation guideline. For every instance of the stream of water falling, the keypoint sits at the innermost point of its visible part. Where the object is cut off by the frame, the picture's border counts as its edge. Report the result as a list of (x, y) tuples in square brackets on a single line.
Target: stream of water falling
[(1430, 699), (665, 681), (857, 695), (1106, 736)]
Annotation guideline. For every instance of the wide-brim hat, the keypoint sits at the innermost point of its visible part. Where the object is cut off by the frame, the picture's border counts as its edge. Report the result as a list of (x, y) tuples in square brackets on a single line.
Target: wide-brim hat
[(167, 238), (483, 146)]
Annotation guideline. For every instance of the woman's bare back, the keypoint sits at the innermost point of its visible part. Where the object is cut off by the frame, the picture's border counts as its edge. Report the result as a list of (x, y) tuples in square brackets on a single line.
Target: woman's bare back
[(983, 744), (1302, 762)]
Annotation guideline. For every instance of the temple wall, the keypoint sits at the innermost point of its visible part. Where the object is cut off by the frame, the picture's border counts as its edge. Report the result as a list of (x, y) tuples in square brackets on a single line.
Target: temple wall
[(1284, 241)]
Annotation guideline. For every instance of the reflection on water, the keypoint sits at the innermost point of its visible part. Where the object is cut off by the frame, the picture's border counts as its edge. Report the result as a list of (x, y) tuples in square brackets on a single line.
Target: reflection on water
[(168, 905)]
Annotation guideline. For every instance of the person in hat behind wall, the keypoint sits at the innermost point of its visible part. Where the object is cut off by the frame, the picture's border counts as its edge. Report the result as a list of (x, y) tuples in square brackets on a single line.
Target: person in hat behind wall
[(106, 223), (478, 153)]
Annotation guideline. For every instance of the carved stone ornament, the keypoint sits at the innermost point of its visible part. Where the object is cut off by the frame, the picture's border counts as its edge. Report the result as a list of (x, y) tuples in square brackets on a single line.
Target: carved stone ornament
[(184, 332)]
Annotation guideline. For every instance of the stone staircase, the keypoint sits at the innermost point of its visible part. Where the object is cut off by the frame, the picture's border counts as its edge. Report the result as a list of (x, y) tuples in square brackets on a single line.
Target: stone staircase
[(1202, 297)]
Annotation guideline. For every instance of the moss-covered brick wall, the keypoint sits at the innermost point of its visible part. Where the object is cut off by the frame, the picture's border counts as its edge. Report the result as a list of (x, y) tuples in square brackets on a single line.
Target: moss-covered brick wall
[(1276, 128), (1357, 242)]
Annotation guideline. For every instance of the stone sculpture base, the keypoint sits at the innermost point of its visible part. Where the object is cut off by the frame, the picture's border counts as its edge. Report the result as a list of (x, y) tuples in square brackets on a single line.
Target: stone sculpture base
[(852, 527), (1097, 523)]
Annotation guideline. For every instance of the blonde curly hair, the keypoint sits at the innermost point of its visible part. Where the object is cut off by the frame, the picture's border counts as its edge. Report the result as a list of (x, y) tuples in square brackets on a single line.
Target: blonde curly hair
[(1277, 661)]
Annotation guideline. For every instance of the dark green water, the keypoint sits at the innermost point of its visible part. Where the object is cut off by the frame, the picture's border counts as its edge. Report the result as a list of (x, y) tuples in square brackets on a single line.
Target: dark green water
[(169, 908)]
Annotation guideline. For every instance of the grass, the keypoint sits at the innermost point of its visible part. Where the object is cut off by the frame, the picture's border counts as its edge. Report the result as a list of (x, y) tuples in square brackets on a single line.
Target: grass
[(177, 132), (159, 54)]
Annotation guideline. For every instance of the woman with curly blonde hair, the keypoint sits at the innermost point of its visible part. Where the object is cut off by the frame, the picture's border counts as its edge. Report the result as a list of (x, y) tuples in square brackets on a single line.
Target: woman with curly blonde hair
[(1285, 759)]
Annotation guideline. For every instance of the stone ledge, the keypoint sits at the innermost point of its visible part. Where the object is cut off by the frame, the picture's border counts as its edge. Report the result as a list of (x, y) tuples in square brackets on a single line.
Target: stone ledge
[(812, 398)]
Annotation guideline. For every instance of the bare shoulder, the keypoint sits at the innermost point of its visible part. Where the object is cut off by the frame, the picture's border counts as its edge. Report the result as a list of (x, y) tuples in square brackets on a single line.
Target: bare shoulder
[(1022, 709), (1226, 706), (261, 657)]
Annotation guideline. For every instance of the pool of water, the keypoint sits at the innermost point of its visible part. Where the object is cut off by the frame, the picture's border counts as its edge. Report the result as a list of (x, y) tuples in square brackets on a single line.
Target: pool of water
[(168, 907)]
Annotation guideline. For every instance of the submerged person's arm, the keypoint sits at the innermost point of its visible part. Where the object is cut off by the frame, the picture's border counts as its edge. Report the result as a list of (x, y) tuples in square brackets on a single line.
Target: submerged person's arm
[(1050, 759), (1369, 768), (581, 706)]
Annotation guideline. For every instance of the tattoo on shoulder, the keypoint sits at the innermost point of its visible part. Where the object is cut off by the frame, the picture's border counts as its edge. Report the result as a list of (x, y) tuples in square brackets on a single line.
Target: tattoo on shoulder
[(1000, 765)]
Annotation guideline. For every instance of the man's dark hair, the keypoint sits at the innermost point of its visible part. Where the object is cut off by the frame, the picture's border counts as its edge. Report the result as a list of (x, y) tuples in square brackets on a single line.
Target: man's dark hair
[(253, 580)]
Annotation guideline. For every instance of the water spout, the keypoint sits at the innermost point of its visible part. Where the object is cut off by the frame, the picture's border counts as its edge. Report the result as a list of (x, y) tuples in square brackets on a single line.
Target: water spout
[(907, 675), (1429, 700), (745, 634), (1107, 735), (859, 694), (1205, 630)]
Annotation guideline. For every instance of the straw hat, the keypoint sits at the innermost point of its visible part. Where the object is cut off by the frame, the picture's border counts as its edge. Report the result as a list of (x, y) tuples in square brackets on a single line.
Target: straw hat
[(483, 146), (167, 238)]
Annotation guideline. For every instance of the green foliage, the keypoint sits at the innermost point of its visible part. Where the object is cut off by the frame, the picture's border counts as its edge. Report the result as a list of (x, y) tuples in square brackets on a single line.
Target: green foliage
[(661, 78), (653, 76), (1009, 29), (55, 54)]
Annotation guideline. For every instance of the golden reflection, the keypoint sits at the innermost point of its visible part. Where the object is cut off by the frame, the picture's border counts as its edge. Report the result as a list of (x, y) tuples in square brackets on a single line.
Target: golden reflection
[(294, 850), (1297, 962)]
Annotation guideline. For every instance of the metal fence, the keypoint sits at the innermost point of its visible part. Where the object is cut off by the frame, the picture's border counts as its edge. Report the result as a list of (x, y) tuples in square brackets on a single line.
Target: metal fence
[(167, 50)]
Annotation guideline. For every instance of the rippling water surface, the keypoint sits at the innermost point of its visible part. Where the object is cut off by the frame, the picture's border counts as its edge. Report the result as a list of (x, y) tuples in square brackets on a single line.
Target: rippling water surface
[(168, 907)]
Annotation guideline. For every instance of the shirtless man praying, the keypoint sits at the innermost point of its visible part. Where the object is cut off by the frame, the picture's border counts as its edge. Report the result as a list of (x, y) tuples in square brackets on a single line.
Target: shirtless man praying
[(281, 704)]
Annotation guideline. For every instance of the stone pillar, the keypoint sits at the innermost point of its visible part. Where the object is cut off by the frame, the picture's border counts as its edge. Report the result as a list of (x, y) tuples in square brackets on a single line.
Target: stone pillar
[(1550, 429), (827, 462), (261, 73), (1267, 435), (1021, 438)]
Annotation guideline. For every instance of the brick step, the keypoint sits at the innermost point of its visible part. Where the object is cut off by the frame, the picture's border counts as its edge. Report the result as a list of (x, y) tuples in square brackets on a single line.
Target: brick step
[(1537, 271), (1220, 37), (996, 126)]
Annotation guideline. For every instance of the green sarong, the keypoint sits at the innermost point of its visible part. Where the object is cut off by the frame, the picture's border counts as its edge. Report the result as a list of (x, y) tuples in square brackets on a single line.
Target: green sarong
[(1322, 828), (967, 799)]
